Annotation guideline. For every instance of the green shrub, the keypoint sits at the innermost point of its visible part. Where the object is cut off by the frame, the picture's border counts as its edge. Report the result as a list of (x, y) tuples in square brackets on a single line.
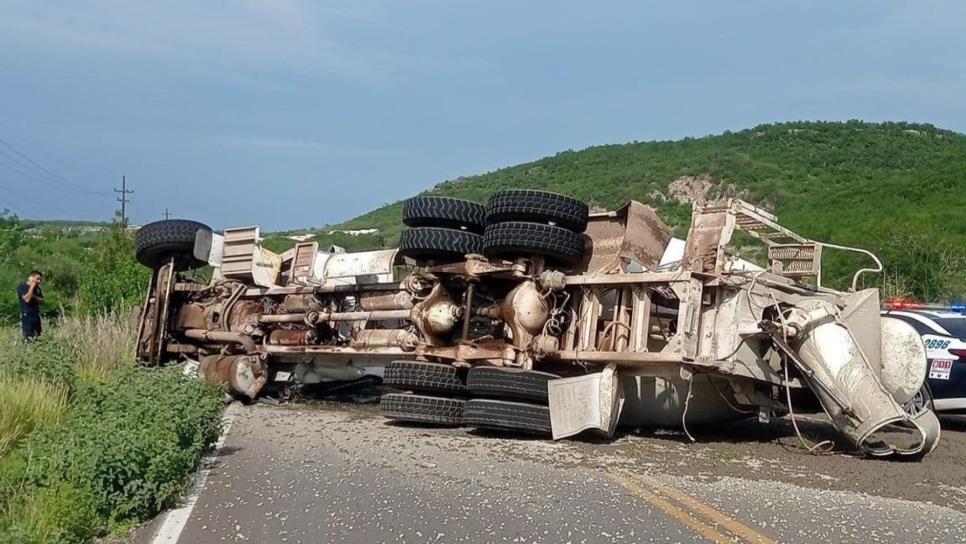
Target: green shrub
[(126, 448), (113, 280), (48, 359)]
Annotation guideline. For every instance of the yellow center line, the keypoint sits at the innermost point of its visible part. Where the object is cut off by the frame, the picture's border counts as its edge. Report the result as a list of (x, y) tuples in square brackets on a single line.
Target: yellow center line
[(677, 513), (708, 512)]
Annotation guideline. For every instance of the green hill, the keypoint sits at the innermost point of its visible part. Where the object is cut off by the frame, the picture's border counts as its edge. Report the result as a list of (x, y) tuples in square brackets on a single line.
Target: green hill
[(898, 189)]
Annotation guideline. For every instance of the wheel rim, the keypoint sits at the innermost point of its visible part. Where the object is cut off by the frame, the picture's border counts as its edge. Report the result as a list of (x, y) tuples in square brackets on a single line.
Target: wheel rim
[(917, 404)]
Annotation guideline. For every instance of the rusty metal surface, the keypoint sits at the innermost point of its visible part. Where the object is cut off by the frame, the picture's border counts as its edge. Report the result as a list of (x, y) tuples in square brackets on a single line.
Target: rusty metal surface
[(710, 232), (300, 303), (253, 291), (243, 374), (312, 318), (373, 338), (191, 316), (223, 337), (435, 315), (619, 357), (632, 233), (241, 313), (386, 301), (302, 266), (292, 337), (627, 279)]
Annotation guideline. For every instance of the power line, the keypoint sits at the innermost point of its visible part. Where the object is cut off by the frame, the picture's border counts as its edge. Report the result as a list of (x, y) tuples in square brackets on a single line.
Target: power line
[(15, 209), (123, 191), (63, 182), (22, 168), (18, 168), (167, 214), (50, 206)]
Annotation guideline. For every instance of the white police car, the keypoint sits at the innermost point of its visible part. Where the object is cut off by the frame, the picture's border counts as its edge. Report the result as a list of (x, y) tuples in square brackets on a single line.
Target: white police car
[(943, 330)]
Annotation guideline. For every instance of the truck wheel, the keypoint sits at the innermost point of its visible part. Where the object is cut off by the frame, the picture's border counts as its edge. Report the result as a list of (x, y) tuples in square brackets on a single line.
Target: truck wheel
[(434, 243), (440, 211), (538, 207), (422, 409), (519, 237), (423, 376), (156, 243), (509, 383), (508, 416)]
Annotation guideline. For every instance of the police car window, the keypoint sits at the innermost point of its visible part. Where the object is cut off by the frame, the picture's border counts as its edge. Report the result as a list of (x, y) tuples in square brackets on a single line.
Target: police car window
[(955, 325)]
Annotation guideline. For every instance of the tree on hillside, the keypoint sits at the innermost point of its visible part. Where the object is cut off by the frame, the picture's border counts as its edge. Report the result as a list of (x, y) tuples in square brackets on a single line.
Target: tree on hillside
[(114, 280)]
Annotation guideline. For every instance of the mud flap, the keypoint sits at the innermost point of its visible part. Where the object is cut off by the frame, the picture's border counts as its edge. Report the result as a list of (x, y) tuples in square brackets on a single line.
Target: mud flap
[(848, 387), (592, 401)]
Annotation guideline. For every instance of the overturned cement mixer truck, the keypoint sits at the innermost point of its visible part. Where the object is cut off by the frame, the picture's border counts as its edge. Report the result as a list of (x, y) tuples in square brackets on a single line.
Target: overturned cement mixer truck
[(531, 314)]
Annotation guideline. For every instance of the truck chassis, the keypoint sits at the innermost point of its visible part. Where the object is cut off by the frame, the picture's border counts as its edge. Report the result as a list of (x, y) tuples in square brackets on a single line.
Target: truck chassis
[(682, 325)]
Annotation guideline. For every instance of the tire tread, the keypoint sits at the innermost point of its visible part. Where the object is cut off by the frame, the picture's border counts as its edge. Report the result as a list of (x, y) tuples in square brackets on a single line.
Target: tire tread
[(538, 207), (441, 211), (508, 416), (522, 237), (529, 385), (422, 408), (425, 376)]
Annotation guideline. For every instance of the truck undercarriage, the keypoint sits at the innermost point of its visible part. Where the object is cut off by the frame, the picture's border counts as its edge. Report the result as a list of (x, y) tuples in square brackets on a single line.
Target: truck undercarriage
[(531, 314)]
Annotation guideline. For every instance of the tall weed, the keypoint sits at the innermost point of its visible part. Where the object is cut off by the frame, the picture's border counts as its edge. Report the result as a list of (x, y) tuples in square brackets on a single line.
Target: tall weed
[(99, 344), (28, 403)]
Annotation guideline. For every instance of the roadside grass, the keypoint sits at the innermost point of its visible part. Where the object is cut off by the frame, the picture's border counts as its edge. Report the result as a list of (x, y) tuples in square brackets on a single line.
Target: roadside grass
[(100, 343), (94, 443), (28, 403)]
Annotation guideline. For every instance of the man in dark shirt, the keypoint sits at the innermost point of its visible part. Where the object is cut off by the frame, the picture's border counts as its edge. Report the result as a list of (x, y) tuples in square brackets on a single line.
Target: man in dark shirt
[(31, 297)]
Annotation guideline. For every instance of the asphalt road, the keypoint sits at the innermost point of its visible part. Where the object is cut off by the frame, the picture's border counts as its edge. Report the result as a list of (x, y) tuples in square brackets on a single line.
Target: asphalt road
[(342, 474)]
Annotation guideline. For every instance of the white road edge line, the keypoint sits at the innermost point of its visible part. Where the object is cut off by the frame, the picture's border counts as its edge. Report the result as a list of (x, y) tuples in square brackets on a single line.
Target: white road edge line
[(176, 519)]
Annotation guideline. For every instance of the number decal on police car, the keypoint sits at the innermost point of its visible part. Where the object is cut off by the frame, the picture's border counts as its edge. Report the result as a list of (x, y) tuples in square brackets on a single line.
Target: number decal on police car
[(935, 343)]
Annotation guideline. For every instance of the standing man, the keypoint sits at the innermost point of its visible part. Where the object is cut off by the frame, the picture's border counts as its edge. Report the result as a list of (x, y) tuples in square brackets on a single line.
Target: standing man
[(31, 297)]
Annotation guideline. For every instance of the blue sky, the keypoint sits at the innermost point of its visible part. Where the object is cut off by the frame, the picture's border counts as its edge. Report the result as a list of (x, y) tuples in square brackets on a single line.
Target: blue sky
[(294, 114)]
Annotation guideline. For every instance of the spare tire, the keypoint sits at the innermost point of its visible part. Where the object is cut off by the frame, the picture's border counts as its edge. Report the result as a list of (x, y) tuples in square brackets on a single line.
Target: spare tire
[(424, 376), (441, 211), (537, 207), (508, 416), (509, 383), (422, 409), (438, 244), (155, 244), (519, 237)]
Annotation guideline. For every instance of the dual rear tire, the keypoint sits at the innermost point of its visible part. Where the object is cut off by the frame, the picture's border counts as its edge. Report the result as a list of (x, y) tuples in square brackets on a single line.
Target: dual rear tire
[(490, 398), (513, 223), (441, 229)]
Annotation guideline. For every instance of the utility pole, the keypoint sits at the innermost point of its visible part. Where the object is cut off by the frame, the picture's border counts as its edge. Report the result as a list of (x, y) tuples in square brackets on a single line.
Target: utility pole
[(123, 192), (167, 214)]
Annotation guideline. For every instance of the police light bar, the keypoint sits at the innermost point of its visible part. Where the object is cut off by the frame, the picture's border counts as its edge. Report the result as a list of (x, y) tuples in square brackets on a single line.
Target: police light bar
[(905, 304), (902, 304)]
